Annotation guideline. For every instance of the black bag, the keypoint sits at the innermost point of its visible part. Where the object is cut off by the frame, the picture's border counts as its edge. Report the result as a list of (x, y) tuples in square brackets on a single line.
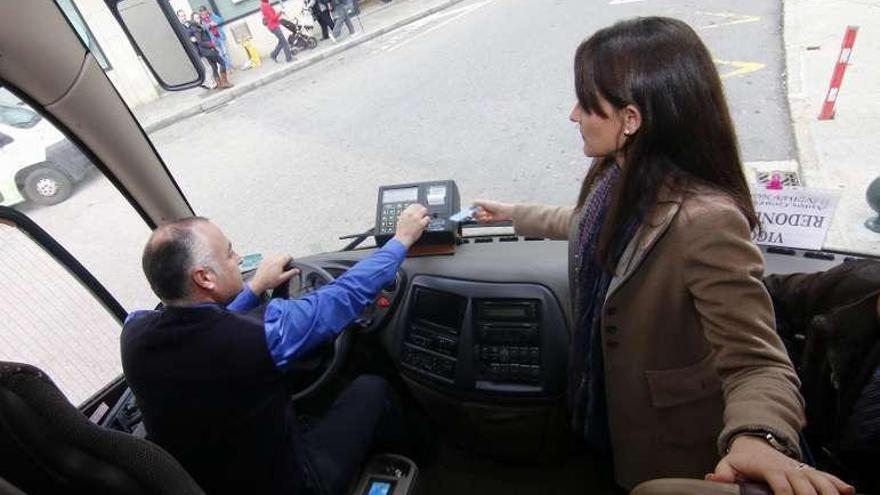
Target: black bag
[(830, 322)]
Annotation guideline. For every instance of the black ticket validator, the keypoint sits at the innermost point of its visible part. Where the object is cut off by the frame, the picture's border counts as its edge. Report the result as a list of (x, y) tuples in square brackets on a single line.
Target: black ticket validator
[(439, 197)]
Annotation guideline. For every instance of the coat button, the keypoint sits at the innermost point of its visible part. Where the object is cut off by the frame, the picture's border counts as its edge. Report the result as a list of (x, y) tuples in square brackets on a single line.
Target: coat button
[(611, 330), (611, 344)]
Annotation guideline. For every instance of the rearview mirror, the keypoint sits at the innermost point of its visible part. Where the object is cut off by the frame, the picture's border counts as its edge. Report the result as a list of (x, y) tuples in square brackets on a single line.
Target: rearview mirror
[(158, 36)]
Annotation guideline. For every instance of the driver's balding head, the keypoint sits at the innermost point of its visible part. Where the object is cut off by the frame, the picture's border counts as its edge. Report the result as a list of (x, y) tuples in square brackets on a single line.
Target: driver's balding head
[(171, 253)]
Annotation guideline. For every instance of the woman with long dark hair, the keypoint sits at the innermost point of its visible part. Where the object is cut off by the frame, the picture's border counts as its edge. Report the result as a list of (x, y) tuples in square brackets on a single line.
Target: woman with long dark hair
[(675, 368)]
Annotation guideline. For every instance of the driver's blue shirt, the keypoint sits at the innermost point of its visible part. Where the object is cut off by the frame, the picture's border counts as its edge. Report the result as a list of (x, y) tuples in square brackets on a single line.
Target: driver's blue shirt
[(296, 326)]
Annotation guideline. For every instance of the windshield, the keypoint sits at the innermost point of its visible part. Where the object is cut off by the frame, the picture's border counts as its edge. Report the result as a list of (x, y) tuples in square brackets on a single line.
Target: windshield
[(18, 117), (287, 156)]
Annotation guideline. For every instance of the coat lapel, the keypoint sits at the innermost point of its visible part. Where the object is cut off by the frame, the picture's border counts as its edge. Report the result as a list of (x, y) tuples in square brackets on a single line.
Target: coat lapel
[(648, 233)]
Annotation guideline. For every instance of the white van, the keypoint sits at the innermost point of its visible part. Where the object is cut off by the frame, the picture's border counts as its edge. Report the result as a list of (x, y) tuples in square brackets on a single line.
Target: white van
[(37, 163)]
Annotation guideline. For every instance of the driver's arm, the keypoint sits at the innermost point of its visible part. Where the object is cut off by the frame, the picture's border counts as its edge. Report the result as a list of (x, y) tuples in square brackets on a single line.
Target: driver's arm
[(296, 326)]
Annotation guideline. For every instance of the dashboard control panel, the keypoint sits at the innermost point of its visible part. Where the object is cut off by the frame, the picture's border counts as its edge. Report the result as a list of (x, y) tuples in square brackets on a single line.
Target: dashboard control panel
[(432, 340), (509, 339)]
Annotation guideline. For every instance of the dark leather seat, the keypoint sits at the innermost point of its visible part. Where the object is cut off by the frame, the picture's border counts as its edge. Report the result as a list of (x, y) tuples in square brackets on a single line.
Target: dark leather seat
[(48, 446)]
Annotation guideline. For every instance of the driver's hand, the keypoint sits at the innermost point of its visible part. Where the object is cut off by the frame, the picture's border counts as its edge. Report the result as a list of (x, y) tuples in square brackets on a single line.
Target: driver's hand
[(411, 223), (271, 273)]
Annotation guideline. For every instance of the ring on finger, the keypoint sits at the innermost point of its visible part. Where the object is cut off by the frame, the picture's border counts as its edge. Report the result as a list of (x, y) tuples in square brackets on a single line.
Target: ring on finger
[(801, 466)]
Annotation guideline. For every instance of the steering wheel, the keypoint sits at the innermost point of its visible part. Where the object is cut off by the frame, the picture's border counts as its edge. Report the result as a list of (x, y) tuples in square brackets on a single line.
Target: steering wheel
[(324, 362)]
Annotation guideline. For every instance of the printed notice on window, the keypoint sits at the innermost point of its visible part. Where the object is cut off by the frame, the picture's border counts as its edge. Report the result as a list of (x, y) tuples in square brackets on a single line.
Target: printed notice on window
[(795, 217)]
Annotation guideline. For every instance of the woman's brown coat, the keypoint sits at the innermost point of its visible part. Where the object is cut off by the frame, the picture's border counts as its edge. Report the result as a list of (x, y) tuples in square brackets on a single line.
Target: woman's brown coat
[(690, 351)]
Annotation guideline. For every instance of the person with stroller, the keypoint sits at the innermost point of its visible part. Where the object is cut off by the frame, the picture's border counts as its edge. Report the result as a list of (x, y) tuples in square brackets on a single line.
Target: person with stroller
[(201, 38), (272, 21)]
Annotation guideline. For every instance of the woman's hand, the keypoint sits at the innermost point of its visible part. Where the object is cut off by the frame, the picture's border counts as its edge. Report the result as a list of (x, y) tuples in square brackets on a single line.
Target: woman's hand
[(753, 459), (492, 211)]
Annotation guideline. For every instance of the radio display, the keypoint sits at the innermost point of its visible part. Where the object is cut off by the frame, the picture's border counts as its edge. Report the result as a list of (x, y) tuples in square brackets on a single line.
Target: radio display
[(409, 194), (439, 308), (508, 310)]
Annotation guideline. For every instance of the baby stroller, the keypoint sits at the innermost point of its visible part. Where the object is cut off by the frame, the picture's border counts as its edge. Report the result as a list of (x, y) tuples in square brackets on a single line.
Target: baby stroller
[(299, 39)]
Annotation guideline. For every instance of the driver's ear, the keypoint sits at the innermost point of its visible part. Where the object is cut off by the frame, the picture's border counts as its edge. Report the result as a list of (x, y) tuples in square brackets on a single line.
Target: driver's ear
[(204, 278)]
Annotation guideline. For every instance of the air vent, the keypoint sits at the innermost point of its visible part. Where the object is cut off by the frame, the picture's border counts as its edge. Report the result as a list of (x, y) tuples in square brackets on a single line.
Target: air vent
[(781, 250), (392, 286), (508, 238), (483, 240), (819, 255)]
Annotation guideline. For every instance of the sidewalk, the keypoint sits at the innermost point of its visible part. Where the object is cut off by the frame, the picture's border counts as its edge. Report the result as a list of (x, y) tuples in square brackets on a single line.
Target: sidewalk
[(377, 19), (843, 153)]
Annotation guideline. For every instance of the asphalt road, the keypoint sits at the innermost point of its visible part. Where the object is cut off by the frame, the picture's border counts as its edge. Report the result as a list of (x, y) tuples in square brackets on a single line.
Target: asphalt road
[(479, 93)]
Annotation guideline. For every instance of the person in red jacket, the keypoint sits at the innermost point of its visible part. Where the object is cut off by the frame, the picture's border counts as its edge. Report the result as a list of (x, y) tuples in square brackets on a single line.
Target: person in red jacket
[(270, 19)]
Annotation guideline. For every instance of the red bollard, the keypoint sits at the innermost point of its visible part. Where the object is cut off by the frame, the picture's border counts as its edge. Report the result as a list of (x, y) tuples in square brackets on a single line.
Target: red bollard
[(849, 39)]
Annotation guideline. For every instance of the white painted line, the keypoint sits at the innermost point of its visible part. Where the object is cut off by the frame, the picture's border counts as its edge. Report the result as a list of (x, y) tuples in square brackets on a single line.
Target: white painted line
[(620, 2), (731, 18), (460, 13)]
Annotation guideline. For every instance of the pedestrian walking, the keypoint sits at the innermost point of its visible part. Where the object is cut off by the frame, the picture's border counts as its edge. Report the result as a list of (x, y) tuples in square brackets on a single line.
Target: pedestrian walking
[(201, 38), (271, 19), (321, 12), (212, 22), (341, 10)]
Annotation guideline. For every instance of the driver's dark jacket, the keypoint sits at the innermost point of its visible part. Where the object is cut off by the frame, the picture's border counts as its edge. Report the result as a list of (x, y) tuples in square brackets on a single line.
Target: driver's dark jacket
[(210, 383), (212, 397)]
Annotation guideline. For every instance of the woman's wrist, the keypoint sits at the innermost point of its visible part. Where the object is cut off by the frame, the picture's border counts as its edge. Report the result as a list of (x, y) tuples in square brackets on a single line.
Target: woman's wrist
[(777, 442)]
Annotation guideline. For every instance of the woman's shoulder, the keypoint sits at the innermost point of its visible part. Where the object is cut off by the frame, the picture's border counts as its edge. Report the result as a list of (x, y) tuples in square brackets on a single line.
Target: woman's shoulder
[(701, 204)]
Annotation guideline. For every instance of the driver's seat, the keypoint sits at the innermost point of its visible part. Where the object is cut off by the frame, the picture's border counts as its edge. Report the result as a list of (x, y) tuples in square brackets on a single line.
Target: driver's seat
[(48, 446)]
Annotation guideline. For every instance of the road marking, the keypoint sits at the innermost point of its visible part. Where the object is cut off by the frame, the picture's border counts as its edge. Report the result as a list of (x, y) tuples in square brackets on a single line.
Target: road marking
[(740, 68), (730, 19), (455, 14), (620, 2)]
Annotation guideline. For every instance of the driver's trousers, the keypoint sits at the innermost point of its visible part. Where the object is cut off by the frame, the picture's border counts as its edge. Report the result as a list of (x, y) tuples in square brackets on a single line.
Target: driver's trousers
[(365, 418)]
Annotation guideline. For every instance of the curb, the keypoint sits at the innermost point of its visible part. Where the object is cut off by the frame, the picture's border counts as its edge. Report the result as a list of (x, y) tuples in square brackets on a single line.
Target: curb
[(798, 104), (238, 90)]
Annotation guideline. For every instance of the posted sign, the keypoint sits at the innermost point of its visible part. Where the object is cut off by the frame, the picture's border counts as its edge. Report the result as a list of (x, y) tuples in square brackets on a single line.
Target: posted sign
[(796, 217)]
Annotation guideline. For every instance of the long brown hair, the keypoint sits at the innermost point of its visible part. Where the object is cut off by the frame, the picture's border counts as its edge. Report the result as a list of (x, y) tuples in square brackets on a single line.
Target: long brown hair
[(662, 67)]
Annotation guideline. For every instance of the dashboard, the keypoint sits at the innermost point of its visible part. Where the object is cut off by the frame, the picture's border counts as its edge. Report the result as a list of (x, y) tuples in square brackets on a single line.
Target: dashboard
[(480, 337)]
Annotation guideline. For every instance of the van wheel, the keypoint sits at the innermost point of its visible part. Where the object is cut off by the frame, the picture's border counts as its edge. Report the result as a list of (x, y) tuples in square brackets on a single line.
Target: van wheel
[(47, 186)]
